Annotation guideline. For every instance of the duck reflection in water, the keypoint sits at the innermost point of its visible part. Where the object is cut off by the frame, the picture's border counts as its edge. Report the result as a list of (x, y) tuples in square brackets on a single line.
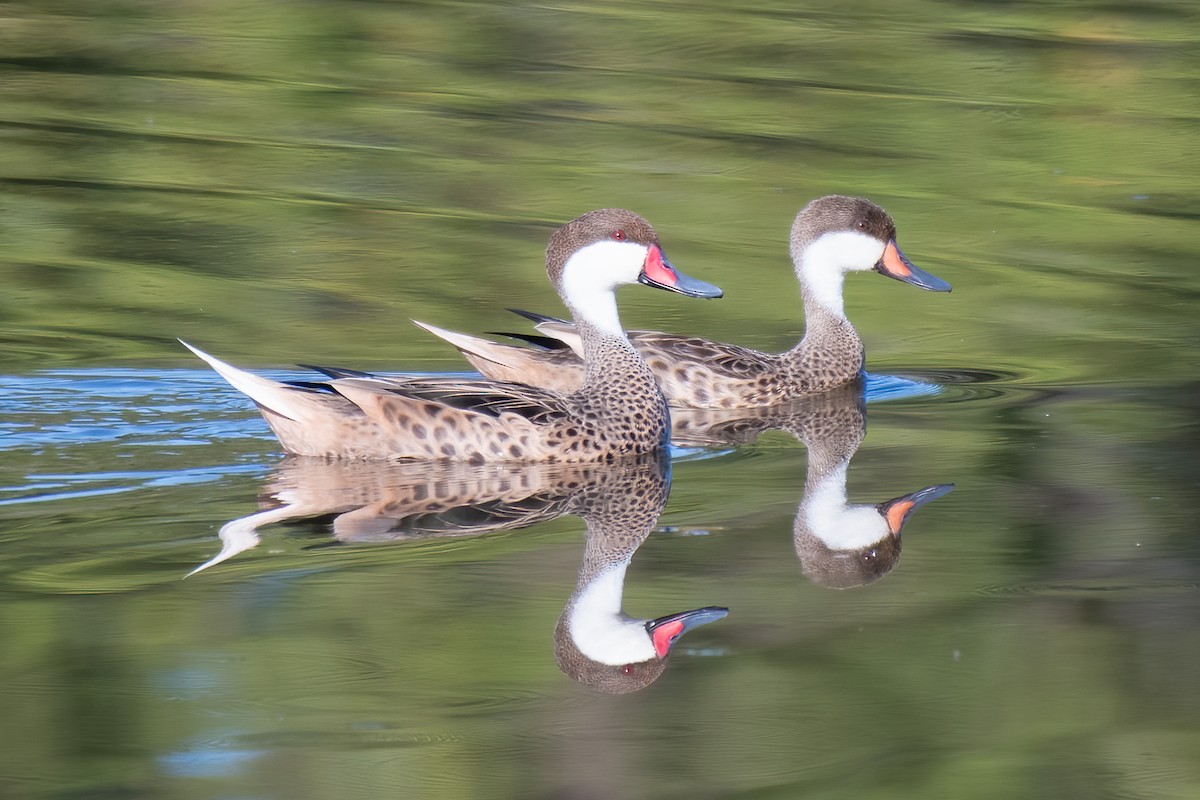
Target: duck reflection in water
[(840, 544), (595, 642)]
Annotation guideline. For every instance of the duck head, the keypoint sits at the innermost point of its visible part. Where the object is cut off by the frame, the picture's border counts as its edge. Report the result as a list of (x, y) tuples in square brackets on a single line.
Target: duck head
[(843, 545), (835, 234), (621, 654), (590, 256)]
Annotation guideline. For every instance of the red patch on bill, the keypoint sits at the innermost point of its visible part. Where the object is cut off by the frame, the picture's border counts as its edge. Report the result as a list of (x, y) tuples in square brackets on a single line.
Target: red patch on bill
[(894, 262), (663, 634), (657, 270), (895, 515)]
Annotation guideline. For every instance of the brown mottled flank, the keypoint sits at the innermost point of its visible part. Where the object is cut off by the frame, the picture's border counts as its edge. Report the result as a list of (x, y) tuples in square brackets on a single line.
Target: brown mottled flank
[(615, 409), (699, 373)]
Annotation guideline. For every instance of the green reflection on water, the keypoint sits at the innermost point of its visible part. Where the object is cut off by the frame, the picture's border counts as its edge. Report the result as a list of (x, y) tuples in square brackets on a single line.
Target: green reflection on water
[(283, 185)]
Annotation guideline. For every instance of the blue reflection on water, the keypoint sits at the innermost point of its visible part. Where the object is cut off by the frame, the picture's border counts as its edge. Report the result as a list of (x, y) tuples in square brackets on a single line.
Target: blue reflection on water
[(881, 388), (45, 487), (206, 763), (171, 408)]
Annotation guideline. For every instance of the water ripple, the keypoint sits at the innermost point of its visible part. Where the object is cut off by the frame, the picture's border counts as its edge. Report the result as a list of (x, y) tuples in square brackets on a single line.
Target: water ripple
[(1080, 589), (50, 487)]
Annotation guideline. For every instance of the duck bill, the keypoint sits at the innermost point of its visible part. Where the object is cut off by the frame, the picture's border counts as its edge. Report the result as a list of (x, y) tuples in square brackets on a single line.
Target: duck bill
[(665, 631), (657, 271), (897, 510), (896, 265)]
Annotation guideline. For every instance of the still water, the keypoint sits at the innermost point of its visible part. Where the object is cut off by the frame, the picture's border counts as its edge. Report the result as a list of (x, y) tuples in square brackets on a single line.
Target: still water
[(287, 183)]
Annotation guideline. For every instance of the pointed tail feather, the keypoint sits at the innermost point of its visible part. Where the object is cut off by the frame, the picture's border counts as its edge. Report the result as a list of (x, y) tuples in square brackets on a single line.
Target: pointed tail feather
[(471, 345), (564, 332), (291, 402), (554, 328), (540, 342), (536, 318)]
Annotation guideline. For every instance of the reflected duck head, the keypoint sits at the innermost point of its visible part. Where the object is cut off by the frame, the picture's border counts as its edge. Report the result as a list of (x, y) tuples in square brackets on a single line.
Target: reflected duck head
[(626, 654), (854, 545)]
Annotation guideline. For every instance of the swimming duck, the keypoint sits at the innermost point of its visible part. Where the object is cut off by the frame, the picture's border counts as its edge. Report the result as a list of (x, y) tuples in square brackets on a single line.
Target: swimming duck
[(831, 236), (616, 410)]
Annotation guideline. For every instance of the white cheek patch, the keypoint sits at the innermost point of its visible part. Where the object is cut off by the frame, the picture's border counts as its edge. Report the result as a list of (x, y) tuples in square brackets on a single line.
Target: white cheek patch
[(825, 262), (838, 525), (601, 631), (591, 276)]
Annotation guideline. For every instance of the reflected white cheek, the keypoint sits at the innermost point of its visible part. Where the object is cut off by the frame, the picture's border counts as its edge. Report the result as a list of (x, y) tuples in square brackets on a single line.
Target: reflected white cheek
[(599, 629), (839, 525)]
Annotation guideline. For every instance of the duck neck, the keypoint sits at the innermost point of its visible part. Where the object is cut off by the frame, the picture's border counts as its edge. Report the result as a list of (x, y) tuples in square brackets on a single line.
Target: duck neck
[(620, 505), (609, 357), (830, 447), (619, 391), (831, 351), (824, 317), (829, 454), (620, 512)]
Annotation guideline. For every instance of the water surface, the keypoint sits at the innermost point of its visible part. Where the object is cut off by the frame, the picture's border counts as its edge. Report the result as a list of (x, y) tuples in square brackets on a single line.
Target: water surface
[(285, 183)]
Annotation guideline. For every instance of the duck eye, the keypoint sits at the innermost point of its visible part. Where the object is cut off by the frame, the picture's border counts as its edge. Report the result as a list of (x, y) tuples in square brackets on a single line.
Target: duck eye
[(861, 225), (619, 235), (627, 670)]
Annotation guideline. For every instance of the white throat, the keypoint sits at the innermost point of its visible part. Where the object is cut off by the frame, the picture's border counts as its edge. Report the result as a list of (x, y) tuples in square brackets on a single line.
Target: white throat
[(838, 525), (599, 629), (824, 263), (591, 276)]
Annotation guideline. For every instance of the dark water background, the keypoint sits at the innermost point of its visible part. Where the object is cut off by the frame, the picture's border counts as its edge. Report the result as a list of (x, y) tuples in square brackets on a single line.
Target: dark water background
[(286, 182)]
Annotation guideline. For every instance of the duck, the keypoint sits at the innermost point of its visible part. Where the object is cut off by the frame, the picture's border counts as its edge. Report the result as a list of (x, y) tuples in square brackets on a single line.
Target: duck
[(616, 410), (831, 236)]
